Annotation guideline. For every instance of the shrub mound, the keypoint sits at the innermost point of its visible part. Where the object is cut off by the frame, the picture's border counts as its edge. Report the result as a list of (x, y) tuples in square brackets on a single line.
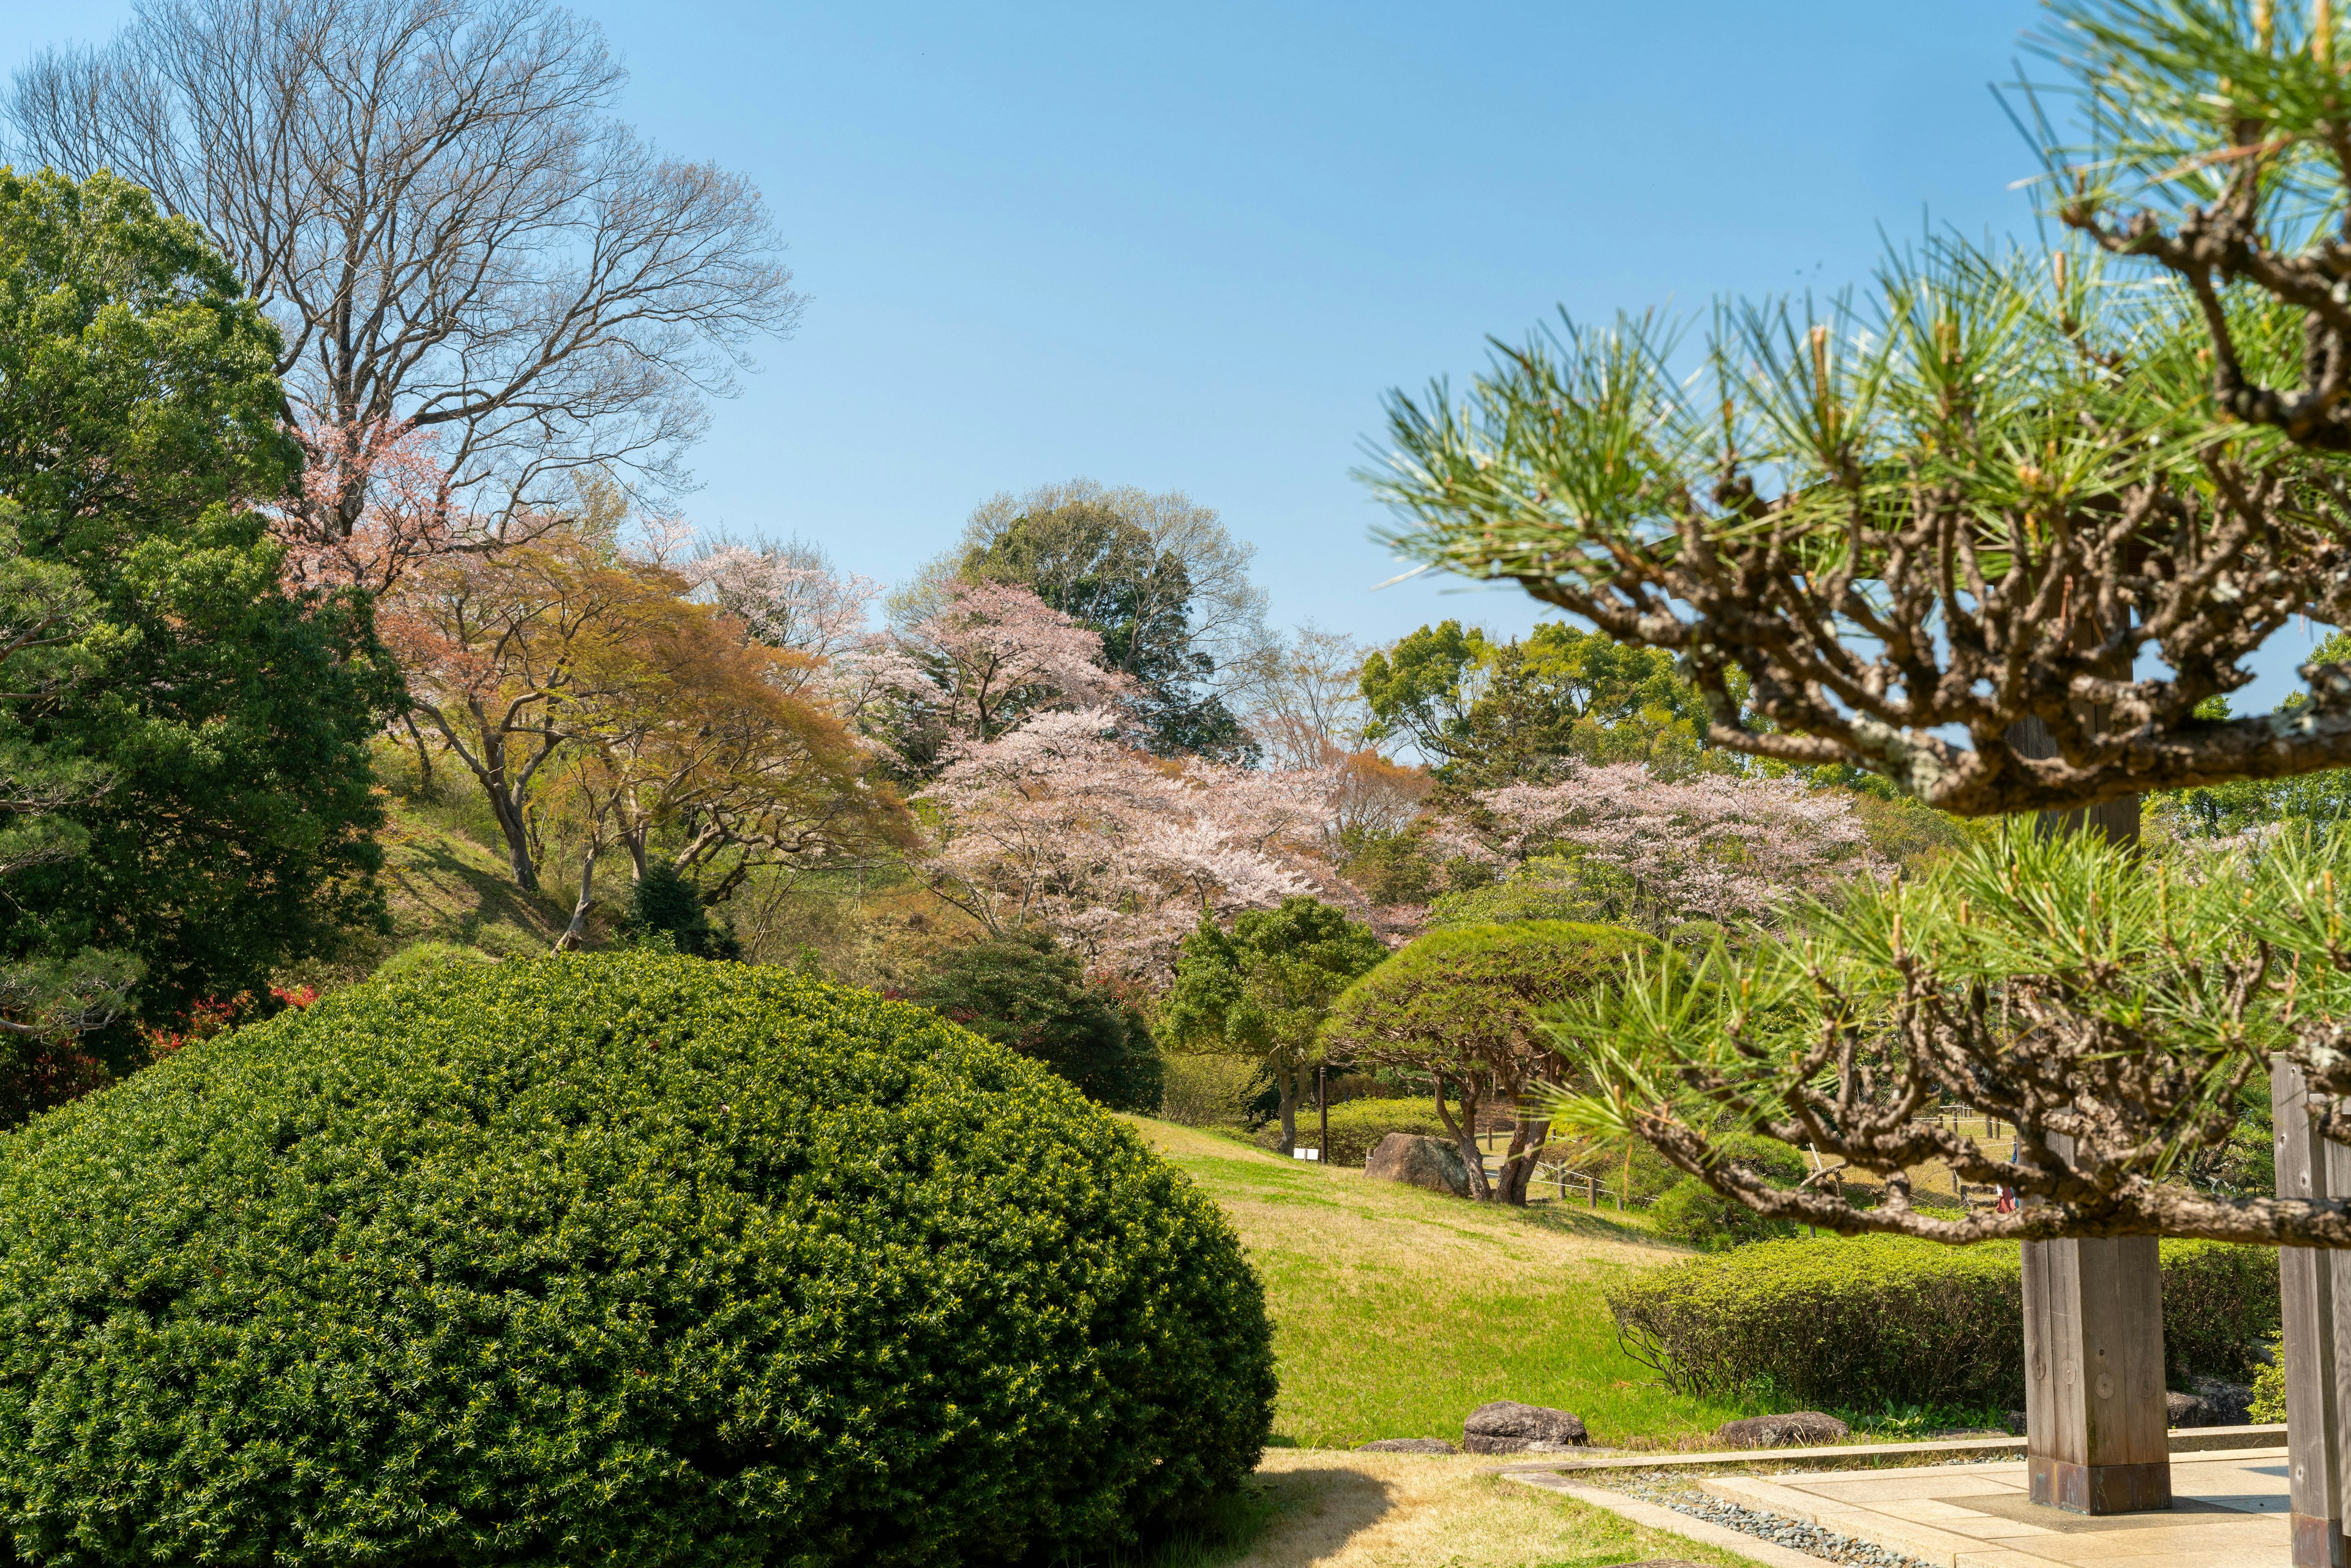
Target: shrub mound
[(625, 1259), (1693, 1213), (1883, 1320)]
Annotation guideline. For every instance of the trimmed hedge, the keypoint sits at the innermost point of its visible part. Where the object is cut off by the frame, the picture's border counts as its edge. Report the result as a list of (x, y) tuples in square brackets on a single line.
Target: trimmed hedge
[(1883, 1320), (1358, 1125), (616, 1258)]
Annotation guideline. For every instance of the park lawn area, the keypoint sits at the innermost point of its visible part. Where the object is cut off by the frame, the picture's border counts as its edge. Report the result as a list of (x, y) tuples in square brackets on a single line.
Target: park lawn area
[(1407, 1510), (1397, 1311)]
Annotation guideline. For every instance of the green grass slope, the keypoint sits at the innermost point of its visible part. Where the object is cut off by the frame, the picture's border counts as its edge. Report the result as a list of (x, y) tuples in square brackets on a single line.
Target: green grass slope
[(1397, 1311), (445, 886)]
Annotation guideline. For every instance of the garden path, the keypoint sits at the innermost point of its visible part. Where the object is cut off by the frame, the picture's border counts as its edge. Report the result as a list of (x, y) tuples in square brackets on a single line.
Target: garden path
[(2230, 1513)]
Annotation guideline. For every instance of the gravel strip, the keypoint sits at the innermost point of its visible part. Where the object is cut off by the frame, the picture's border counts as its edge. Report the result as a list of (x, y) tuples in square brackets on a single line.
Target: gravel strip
[(1683, 1496)]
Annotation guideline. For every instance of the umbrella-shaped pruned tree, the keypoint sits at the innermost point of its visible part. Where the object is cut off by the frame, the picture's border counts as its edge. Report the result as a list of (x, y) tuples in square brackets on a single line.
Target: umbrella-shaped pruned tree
[(1468, 1010)]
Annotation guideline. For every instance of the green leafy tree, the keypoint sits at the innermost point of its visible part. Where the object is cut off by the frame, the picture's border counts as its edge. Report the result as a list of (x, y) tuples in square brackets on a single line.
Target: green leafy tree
[(665, 908), (1495, 713), (1023, 993), (1263, 989), (1464, 1010), (1131, 568), (217, 725)]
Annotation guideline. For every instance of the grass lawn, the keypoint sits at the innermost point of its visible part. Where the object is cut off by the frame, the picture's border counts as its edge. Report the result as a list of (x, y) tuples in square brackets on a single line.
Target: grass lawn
[(1397, 1311), (1322, 1510)]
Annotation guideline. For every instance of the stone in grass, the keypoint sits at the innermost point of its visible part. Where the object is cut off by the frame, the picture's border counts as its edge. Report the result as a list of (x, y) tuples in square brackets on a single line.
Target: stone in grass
[(1507, 1426), (1796, 1429), (1409, 1446), (1418, 1161)]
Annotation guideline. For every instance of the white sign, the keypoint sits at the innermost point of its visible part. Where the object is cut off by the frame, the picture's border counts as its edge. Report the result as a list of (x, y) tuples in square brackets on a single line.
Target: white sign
[(1305, 1153)]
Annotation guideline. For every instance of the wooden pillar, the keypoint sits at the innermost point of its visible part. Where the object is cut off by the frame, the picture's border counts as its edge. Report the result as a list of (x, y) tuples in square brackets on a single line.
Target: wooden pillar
[(2309, 1282), (2094, 1411), (2094, 1423)]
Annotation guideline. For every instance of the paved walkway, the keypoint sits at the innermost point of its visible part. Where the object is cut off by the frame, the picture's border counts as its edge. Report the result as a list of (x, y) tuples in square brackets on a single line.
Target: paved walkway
[(2229, 1512)]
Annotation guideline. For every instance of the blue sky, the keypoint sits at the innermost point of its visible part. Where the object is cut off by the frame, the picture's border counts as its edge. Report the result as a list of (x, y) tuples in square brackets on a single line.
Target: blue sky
[(1188, 247)]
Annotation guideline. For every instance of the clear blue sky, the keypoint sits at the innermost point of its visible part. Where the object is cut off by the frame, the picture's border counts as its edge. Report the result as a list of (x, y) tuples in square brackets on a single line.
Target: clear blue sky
[(1188, 247)]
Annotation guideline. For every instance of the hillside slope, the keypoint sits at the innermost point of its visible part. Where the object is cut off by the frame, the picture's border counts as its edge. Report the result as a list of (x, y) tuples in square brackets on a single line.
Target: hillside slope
[(1397, 1311)]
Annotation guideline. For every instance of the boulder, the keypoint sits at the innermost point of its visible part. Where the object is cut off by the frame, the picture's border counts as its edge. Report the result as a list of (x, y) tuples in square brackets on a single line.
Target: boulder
[(2014, 1421), (1418, 1161), (1409, 1446), (1796, 1429), (2213, 1404), (1507, 1426)]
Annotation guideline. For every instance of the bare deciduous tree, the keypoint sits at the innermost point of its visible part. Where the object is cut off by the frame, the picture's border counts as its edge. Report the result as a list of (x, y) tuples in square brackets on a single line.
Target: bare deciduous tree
[(435, 202)]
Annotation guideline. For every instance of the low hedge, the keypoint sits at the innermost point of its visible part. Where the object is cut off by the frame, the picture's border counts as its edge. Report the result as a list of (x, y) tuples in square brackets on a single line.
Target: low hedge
[(1883, 1320), (1358, 1125), (622, 1259)]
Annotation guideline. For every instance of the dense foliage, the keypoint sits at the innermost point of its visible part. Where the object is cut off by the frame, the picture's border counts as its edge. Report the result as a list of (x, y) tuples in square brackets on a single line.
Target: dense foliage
[(624, 1258), (1024, 993), (1888, 1319), (1262, 989), (1492, 713), (220, 721), (665, 906), (1694, 1213)]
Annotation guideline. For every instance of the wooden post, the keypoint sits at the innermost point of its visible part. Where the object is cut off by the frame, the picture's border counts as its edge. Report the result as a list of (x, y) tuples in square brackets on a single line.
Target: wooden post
[(2310, 1283), (2094, 1423), (1323, 1116)]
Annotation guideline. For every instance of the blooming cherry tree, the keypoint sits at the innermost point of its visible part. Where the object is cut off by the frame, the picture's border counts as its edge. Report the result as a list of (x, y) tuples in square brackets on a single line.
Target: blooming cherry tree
[(1714, 847)]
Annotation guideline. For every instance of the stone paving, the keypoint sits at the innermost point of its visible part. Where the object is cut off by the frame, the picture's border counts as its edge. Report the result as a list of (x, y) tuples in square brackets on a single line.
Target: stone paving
[(1684, 1495), (2229, 1512)]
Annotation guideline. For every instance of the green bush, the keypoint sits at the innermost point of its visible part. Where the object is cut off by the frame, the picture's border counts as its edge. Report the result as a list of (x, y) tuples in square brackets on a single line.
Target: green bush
[(619, 1259), (1883, 1320), (1358, 1125), (1024, 993), (1693, 1213)]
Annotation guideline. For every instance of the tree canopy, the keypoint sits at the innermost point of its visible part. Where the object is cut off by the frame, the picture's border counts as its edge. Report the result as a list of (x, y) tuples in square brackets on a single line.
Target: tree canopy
[(218, 722), (1465, 1010), (1022, 992), (1262, 989), (1490, 712)]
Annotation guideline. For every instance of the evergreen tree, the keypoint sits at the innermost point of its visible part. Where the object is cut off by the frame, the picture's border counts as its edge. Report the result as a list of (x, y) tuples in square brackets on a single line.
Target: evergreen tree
[(218, 725)]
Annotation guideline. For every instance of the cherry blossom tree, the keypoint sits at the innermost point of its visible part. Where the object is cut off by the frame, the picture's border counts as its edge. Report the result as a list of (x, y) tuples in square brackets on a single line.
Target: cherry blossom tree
[(1718, 847), (984, 658), (1065, 823)]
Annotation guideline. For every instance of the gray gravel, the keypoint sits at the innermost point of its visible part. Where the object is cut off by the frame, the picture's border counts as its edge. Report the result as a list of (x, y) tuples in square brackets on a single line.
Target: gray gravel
[(1683, 1496)]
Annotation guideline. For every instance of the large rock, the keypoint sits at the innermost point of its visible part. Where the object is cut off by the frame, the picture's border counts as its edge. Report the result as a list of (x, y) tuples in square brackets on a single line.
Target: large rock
[(1407, 1446), (1796, 1429), (1507, 1426), (1418, 1161), (2213, 1404)]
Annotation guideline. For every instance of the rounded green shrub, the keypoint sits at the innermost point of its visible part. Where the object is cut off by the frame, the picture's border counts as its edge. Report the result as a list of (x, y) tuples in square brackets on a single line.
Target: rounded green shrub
[(617, 1260)]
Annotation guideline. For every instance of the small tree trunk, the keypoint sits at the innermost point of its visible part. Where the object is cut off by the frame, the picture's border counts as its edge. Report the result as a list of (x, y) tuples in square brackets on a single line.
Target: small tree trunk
[(578, 926), (520, 864), (1465, 1138), (424, 756), (1527, 1141)]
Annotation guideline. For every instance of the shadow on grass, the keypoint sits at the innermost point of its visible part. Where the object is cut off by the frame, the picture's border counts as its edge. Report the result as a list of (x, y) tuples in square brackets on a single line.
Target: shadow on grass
[(1316, 1512)]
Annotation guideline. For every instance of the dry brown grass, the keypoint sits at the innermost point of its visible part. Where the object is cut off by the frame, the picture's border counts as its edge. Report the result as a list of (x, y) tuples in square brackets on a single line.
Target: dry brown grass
[(1339, 1510)]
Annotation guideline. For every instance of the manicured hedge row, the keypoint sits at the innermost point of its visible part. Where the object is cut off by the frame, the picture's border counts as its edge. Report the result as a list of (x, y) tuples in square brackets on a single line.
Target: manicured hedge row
[(1876, 1319), (1358, 1125), (623, 1259)]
